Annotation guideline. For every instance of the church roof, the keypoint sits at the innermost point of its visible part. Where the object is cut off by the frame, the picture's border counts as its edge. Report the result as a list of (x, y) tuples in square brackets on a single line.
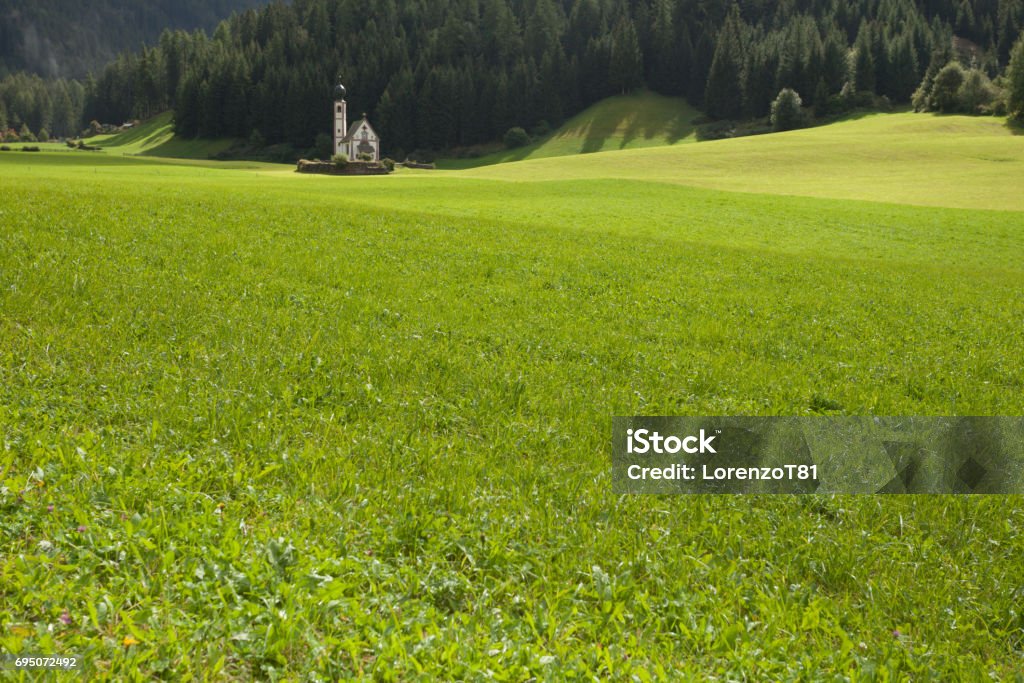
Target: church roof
[(350, 135)]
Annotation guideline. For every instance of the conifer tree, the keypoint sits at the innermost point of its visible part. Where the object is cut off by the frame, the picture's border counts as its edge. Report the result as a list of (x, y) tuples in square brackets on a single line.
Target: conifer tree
[(902, 74), (723, 94), (662, 73), (1015, 81), (542, 29), (625, 69), (863, 60)]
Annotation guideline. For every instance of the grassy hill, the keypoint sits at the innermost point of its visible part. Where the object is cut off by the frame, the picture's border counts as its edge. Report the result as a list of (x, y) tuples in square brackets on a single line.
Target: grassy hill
[(152, 138), (264, 425), (956, 161), (156, 138), (626, 122)]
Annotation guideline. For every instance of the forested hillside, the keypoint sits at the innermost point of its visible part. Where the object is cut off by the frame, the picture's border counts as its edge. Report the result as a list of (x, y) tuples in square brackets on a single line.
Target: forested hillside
[(449, 73), (65, 38)]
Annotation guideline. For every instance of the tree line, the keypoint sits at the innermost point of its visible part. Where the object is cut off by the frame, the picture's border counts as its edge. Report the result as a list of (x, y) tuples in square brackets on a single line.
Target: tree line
[(32, 107), (448, 73)]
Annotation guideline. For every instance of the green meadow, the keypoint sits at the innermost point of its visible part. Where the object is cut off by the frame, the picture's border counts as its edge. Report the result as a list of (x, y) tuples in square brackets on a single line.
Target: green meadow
[(263, 425)]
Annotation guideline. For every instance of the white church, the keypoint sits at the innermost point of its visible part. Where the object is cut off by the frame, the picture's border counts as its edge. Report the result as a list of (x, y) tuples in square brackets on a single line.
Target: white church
[(361, 138)]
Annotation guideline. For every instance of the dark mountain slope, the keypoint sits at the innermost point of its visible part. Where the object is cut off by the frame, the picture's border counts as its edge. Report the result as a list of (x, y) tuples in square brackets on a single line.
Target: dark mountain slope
[(67, 38)]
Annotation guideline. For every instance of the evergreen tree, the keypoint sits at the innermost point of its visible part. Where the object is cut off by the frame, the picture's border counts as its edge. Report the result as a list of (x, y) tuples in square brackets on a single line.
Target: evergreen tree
[(1015, 81), (551, 87), (821, 98), (761, 68), (594, 69), (1009, 20), (586, 22), (625, 69), (500, 34), (700, 67), (186, 112), (397, 112), (723, 97), (834, 67), (542, 29), (903, 74), (863, 61), (663, 65), (503, 112)]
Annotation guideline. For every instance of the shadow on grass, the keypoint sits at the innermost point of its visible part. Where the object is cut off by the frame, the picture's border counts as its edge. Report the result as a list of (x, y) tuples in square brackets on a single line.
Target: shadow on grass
[(1015, 126), (593, 140), (642, 122), (650, 126), (842, 117), (586, 128)]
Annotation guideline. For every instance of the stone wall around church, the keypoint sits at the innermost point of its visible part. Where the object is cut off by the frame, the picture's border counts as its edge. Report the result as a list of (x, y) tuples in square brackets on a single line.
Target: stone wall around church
[(351, 168)]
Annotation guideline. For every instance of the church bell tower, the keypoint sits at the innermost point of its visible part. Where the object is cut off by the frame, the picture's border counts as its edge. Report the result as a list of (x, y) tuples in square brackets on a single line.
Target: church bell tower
[(340, 116)]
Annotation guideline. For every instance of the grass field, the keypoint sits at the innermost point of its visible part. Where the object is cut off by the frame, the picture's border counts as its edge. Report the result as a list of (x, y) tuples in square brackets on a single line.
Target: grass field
[(256, 424)]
